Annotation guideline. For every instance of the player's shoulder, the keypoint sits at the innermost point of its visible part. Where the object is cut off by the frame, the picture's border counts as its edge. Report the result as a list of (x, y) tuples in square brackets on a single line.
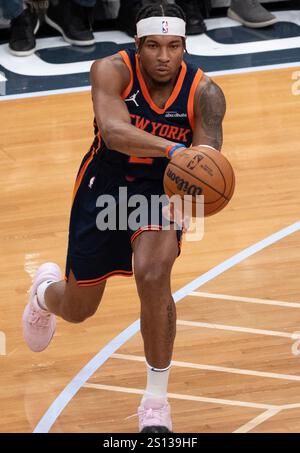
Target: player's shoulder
[(209, 89), (209, 97), (208, 85), (113, 65)]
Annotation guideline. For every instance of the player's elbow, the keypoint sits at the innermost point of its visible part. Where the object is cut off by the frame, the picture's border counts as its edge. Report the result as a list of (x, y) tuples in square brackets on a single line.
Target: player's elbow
[(108, 135), (111, 134)]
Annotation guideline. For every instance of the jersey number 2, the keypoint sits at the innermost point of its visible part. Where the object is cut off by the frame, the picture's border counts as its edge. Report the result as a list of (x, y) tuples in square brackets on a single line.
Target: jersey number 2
[(141, 160)]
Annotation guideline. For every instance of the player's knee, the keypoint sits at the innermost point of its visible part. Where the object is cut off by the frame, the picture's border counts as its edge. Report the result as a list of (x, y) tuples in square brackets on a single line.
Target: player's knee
[(79, 303), (77, 310), (153, 275), (76, 317)]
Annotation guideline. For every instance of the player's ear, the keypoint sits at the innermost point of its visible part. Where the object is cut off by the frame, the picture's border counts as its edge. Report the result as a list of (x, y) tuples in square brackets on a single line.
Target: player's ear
[(137, 42)]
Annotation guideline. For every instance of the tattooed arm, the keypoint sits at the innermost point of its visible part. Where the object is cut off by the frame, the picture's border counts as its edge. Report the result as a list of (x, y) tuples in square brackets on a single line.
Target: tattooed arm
[(210, 107)]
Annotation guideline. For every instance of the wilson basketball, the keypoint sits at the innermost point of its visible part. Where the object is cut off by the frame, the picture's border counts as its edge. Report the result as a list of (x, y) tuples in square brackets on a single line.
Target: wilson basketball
[(201, 171)]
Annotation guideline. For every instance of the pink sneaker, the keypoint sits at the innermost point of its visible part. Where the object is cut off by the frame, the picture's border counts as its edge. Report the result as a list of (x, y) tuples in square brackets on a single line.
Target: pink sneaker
[(39, 325), (155, 416)]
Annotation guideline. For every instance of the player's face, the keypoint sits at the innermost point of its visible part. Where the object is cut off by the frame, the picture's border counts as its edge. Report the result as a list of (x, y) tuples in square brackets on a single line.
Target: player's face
[(161, 57)]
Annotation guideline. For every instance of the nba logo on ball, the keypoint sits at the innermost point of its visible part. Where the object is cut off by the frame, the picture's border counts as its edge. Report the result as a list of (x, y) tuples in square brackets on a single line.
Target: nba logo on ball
[(165, 26)]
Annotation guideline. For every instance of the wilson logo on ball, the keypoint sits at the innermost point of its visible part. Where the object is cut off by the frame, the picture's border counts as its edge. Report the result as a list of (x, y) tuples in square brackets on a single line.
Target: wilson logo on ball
[(184, 185)]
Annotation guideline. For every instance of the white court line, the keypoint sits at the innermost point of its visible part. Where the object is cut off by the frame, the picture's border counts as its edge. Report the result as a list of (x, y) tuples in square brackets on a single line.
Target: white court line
[(206, 325), (197, 366), (202, 399), (257, 421), (252, 300), (291, 406), (66, 395), (202, 42), (248, 70)]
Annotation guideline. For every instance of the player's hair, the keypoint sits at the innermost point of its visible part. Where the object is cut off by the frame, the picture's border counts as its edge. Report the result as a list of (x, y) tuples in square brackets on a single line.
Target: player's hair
[(160, 9)]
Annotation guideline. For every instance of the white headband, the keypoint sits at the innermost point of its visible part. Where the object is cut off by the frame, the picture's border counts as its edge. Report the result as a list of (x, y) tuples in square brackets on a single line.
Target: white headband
[(161, 26)]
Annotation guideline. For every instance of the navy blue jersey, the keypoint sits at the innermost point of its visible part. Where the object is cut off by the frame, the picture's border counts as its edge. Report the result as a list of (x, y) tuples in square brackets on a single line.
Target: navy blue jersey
[(174, 122)]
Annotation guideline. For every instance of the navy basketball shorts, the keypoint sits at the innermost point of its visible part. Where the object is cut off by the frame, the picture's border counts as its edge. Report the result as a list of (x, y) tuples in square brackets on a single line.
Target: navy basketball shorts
[(100, 195)]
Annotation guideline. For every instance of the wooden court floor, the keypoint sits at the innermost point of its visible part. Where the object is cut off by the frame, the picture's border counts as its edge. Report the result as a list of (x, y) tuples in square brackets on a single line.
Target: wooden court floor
[(236, 359)]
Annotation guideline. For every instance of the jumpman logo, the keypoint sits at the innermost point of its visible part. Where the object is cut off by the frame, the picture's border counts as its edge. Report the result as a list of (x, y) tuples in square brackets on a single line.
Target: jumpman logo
[(133, 98)]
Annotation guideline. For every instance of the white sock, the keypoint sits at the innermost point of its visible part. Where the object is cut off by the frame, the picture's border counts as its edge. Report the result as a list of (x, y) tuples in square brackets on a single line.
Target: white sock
[(157, 382), (41, 294)]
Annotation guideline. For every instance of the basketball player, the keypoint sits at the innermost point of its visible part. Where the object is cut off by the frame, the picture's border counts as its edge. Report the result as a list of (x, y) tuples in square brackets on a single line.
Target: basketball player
[(149, 105)]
